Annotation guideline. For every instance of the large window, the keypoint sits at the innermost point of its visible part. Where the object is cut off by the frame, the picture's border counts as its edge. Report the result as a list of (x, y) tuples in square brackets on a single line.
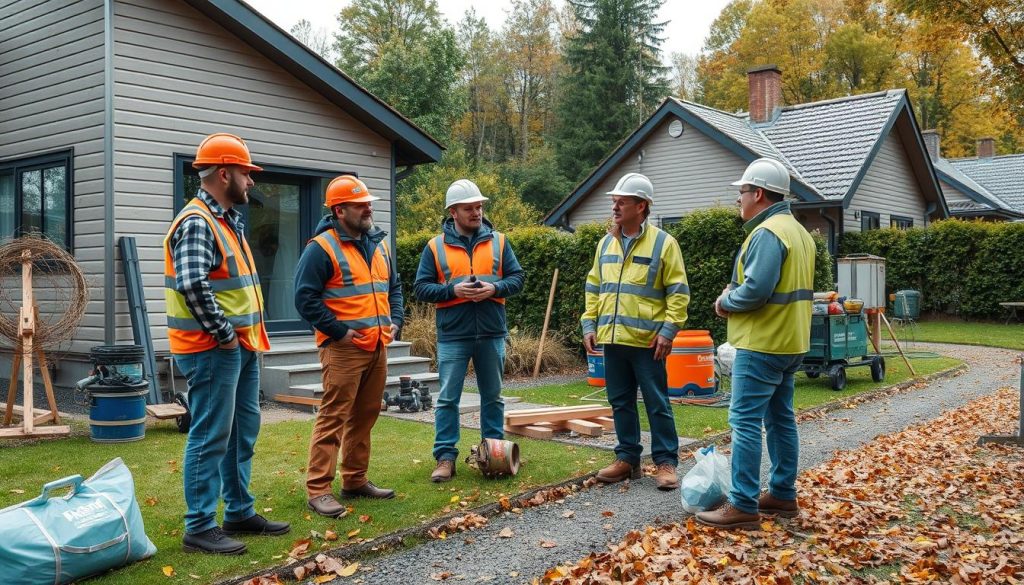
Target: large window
[(869, 221), (284, 208), (901, 223), (35, 197)]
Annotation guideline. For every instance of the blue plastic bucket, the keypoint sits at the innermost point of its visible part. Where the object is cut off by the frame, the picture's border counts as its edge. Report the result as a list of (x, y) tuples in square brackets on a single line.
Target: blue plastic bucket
[(118, 417), (595, 368)]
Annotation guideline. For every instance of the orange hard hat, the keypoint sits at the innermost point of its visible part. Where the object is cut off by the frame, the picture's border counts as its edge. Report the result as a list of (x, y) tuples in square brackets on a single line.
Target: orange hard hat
[(223, 149), (347, 189)]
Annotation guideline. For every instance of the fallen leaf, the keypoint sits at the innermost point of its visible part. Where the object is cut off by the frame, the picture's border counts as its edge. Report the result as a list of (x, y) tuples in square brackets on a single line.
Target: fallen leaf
[(547, 544), (506, 533), (330, 535), (607, 513), (267, 510), (353, 533), (349, 570), (365, 518), (152, 501), (325, 579), (168, 571), (440, 576), (300, 547), (568, 514), (454, 499), (17, 491)]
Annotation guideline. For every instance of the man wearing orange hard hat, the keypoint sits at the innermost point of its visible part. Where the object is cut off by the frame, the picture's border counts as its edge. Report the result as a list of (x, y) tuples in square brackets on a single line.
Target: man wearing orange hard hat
[(347, 288), (216, 332)]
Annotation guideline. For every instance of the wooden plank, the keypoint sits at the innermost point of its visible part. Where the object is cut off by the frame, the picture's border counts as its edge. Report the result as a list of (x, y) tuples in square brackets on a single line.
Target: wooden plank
[(165, 411), (605, 421), (518, 419), (38, 412), (305, 400), (585, 427), (19, 433), (557, 425), (554, 409), (532, 431)]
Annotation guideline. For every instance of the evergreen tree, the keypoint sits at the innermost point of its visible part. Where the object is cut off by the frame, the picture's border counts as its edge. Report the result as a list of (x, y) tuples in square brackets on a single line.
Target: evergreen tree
[(614, 79)]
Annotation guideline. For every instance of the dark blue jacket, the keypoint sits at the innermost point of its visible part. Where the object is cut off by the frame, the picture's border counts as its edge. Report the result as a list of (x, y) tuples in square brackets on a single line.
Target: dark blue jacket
[(485, 319), (315, 268)]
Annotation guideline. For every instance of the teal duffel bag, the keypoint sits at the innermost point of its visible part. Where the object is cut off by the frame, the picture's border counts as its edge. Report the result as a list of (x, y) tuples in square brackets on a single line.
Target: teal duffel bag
[(57, 539)]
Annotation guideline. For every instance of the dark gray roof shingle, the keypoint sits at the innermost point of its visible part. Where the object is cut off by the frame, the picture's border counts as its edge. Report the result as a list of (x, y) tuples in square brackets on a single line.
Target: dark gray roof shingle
[(1002, 176)]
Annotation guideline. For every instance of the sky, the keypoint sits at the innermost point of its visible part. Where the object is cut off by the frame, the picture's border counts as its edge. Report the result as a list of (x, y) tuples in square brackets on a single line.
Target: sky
[(689, 19)]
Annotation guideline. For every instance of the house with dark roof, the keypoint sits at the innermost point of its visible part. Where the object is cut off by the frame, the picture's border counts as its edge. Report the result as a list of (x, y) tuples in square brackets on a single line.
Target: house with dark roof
[(104, 103), (968, 198), (855, 163)]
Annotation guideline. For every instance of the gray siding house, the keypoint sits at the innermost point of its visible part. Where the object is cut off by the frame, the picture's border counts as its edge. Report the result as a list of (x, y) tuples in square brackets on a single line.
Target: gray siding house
[(103, 103), (855, 163)]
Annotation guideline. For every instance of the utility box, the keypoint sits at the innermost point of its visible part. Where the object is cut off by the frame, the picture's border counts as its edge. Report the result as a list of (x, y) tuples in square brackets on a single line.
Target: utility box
[(862, 276)]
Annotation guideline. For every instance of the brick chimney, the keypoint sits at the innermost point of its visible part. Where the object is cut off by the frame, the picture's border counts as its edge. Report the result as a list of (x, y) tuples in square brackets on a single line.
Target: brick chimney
[(986, 147), (765, 85), (931, 142)]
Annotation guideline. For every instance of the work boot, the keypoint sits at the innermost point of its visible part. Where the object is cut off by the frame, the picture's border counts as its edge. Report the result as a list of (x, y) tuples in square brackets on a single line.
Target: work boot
[(444, 471), (665, 477), (256, 525), (619, 471), (769, 504), (212, 541), (730, 518), (327, 505), (368, 490)]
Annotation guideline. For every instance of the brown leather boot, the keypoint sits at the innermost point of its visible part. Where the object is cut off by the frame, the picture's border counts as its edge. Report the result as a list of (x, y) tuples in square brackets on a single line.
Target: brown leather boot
[(729, 518), (444, 471), (619, 471), (368, 490), (327, 505), (769, 504), (665, 477)]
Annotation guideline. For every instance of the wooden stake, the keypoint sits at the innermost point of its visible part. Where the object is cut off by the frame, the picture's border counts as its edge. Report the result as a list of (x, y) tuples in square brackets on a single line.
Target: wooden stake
[(894, 340), (547, 317), (26, 330)]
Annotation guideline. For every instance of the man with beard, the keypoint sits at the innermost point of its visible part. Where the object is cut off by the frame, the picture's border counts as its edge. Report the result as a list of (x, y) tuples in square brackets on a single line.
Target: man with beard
[(469, 270), (216, 332), (347, 289)]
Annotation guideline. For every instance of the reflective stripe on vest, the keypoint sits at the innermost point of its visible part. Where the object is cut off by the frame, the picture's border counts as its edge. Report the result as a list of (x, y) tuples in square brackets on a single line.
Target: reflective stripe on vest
[(357, 294), (455, 265), (783, 324), (235, 286), (630, 295)]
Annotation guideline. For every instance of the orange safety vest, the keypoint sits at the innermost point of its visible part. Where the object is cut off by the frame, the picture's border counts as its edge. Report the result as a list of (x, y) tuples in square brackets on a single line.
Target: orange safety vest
[(235, 285), (357, 294), (455, 265)]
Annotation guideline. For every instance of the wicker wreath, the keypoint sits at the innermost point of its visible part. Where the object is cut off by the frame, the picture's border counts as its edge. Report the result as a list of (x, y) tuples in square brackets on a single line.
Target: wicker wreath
[(59, 286)]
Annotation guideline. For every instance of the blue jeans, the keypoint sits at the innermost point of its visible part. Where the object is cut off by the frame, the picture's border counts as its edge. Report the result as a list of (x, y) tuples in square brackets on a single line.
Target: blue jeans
[(626, 367), (488, 355), (762, 390), (224, 401)]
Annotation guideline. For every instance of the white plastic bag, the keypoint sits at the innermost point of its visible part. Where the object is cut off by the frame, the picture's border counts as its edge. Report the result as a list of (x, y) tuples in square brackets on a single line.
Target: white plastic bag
[(708, 482), (724, 358)]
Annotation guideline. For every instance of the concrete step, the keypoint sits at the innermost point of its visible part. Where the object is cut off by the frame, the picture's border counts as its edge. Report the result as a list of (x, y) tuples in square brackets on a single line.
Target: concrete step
[(294, 351), (285, 376), (315, 390)]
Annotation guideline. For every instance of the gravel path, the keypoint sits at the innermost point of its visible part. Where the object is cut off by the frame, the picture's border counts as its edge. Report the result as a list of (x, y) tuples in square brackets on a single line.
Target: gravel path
[(603, 515)]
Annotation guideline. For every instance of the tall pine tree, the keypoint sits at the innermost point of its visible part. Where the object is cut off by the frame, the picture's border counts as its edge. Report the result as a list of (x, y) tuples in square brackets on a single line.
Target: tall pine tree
[(614, 79)]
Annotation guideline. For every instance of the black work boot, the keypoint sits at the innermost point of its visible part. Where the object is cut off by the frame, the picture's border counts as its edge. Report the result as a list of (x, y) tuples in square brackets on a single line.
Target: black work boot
[(256, 525), (212, 541)]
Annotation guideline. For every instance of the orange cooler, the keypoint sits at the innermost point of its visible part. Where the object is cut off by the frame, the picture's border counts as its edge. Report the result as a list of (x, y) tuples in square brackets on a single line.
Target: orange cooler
[(595, 367), (691, 365)]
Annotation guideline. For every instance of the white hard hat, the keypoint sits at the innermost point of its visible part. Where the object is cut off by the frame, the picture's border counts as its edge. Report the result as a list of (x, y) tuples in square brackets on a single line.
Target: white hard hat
[(463, 191), (634, 185), (766, 173)]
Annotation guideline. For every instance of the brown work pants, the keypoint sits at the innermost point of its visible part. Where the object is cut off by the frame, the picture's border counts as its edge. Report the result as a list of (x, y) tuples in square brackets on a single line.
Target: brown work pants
[(354, 382)]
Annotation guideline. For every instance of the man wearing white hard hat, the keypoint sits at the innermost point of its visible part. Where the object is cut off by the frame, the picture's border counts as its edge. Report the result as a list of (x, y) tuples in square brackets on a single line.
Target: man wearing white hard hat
[(768, 305), (467, 271), (636, 301)]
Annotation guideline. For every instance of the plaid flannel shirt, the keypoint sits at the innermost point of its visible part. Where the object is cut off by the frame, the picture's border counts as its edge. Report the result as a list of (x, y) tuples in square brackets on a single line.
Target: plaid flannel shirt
[(195, 254)]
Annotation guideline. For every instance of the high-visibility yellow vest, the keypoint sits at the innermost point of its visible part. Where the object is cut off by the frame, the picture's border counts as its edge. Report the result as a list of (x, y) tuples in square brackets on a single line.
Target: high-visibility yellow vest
[(234, 282), (636, 294), (454, 264), (357, 293), (783, 324)]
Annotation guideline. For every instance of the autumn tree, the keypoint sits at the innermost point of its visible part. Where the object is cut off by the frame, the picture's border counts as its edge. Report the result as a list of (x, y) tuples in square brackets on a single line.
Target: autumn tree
[(613, 79), (317, 39), (684, 76), (485, 119)]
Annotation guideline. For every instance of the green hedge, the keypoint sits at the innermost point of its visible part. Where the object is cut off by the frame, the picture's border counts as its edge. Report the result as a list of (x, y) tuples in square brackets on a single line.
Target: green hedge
[(961, 267), (708, 239)]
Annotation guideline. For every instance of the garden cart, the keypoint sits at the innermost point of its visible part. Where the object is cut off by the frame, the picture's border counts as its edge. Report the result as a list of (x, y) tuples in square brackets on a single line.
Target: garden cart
[(839, 342)]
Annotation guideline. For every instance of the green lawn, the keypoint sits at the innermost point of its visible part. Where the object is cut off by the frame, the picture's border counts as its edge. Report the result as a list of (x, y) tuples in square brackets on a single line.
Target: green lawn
[(692, 421), (401, 460), (969, 333)]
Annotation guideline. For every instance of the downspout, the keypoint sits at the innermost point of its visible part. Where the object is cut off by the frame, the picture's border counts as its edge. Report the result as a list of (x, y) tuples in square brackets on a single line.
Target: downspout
[(109, 331)]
